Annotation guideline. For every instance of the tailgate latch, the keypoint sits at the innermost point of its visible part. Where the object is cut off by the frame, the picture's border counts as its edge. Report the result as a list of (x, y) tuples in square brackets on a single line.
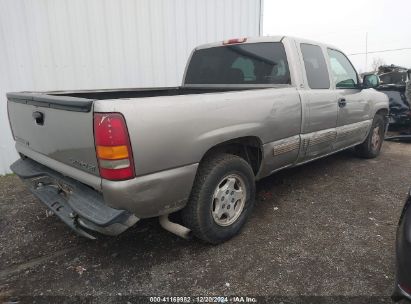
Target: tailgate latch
[(38, 117)]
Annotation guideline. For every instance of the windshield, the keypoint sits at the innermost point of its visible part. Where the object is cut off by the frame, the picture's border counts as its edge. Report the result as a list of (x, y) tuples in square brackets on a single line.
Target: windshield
[(254, 63)]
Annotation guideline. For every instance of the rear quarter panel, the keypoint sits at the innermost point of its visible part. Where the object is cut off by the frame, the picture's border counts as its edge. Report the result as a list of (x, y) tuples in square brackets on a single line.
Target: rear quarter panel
[(169, 132)]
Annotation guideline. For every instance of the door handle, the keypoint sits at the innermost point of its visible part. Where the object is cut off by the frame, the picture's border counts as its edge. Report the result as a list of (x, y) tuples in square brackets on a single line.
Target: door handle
[(342, 102)]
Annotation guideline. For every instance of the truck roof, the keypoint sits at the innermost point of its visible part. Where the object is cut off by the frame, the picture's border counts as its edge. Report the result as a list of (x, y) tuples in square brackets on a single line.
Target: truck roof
[(277, 38)]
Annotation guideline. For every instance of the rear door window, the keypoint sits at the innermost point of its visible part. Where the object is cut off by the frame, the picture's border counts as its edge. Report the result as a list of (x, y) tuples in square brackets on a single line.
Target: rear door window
[(253, 63), (315, 66)]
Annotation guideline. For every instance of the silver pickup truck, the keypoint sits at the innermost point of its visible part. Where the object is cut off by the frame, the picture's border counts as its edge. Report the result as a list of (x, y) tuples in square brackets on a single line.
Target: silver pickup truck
[(103, 159)]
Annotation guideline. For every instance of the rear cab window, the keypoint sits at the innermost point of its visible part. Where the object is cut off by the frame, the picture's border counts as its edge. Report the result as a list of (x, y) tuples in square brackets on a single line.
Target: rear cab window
[(240, 64), (315, 66)]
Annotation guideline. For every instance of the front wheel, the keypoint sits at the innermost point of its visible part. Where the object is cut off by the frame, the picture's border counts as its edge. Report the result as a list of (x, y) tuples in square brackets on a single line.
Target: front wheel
[(371, 147), (221, 199)]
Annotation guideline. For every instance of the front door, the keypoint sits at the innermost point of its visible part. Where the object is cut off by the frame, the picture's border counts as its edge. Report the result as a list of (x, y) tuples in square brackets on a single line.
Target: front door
[(353, 106)]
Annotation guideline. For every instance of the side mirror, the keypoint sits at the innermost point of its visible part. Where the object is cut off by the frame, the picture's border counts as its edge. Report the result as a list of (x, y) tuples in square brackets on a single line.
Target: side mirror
[(370, 81)]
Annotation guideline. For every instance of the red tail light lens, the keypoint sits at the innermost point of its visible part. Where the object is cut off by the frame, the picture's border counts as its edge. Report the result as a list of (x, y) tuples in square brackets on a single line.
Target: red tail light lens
[(113, 146)]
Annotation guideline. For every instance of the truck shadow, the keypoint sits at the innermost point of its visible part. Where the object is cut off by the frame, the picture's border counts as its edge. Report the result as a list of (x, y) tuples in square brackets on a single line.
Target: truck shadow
[(301, 176)]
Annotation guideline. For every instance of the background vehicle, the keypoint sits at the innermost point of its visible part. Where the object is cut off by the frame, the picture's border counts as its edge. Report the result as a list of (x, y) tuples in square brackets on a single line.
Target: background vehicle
[(247, 108), (395, 83), (403, 273)]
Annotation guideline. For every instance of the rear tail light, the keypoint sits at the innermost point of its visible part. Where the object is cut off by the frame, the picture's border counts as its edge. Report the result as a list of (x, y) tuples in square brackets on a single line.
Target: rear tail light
[(113, 147), (235, 40)]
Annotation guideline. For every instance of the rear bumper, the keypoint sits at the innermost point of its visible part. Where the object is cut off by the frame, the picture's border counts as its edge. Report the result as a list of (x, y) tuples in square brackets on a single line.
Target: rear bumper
[(80, 207), (144, 196)]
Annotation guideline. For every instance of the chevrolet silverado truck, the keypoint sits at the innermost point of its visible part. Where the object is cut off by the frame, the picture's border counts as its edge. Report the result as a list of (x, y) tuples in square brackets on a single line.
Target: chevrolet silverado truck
[(248, 107)]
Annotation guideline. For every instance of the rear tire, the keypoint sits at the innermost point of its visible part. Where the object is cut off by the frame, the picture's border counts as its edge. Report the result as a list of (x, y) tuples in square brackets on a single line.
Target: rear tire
[(222, 198), (371, 147)]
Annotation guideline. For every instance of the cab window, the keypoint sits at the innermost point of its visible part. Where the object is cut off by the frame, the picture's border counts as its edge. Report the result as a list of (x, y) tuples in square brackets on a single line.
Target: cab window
[(342, 71), (246, 66), (243, 64), (315, 66)]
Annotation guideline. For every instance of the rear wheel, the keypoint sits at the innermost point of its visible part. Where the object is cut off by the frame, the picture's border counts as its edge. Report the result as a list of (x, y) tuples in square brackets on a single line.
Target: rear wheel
[(371, 147), (222, 198)]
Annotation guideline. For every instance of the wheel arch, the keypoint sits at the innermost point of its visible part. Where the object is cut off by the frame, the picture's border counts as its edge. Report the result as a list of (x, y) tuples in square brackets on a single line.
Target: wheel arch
[(384, 112), (380, 105), (250, 148)]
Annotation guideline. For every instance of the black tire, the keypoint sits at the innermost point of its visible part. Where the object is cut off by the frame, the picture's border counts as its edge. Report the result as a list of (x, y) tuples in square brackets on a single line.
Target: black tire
[(198, 215), (367, 149)]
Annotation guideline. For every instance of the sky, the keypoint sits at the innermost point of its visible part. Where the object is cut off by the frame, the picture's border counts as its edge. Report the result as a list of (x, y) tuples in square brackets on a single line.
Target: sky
[(345, 24)]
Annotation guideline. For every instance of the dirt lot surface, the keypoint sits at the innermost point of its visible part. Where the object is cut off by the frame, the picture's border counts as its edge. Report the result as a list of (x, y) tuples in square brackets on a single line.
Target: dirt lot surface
[(323, 229)]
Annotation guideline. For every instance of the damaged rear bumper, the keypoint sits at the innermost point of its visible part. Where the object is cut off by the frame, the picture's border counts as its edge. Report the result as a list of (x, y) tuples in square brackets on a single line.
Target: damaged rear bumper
[(79, 206)]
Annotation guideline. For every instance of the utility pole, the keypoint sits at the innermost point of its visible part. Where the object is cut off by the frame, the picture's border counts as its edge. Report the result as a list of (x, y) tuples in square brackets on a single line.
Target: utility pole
[(366, 52)]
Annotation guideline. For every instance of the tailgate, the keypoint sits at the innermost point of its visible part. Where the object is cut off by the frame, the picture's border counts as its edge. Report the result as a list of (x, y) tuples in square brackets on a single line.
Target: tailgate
[(57, 129)]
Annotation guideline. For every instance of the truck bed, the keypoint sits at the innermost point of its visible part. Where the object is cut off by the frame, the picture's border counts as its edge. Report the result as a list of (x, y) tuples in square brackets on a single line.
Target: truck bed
[(82, 100), (142, 92), (55, 128)]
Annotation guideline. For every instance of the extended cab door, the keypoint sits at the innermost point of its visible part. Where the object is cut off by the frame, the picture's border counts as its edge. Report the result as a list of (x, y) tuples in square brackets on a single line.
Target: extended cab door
[(320, 109), (353, 106)]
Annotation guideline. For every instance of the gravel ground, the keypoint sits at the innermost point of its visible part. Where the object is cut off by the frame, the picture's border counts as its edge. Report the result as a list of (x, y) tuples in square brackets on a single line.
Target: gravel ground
[(323, 229)]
